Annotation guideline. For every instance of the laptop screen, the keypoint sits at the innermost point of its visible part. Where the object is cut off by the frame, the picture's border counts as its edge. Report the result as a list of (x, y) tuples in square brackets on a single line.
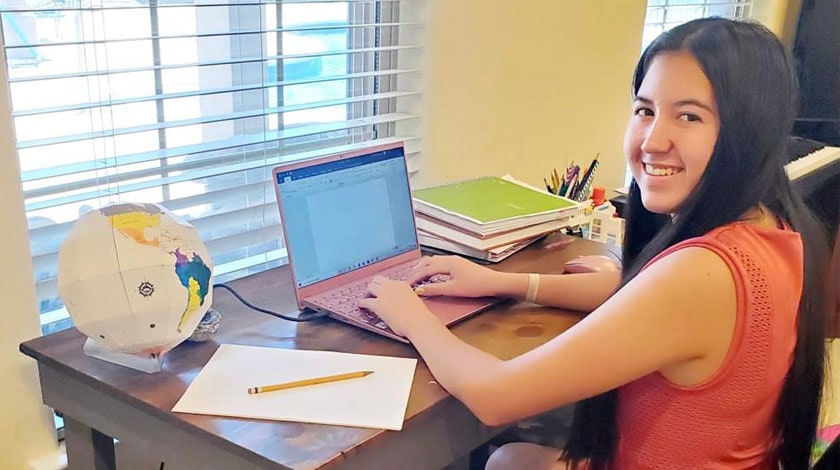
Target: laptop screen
[(345, 214)]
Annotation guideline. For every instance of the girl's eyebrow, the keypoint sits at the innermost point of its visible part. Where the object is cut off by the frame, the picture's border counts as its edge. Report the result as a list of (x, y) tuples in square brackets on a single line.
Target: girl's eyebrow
[(685, 102)]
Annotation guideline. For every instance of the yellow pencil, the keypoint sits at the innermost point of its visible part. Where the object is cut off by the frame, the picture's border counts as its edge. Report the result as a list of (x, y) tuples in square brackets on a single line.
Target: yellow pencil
[(312, 381)]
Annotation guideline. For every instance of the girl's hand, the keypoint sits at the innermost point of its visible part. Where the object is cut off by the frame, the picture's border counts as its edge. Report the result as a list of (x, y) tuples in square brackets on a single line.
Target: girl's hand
[(396, 303), (455, 276)]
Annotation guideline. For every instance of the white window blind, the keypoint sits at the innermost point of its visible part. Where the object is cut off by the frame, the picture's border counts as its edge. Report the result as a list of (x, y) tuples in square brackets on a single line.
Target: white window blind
[(190, 103), (663, 15)]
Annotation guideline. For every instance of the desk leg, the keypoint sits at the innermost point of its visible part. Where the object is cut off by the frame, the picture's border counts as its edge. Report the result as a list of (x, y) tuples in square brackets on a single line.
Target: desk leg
[(87, 448)]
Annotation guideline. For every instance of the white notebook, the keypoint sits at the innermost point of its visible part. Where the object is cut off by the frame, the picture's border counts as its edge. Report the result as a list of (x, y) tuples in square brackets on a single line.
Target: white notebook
[(378, 400)]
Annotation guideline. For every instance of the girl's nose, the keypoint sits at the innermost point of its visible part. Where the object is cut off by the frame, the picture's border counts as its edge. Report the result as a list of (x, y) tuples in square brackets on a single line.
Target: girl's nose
[(657, 138)]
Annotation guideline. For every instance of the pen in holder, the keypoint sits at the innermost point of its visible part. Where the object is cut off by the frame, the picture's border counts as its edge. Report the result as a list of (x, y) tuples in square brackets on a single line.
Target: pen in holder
[(582, 191), (573, 184)]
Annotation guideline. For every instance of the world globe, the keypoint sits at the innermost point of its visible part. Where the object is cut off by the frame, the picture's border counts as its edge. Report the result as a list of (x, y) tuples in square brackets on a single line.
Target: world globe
[(136, 279)]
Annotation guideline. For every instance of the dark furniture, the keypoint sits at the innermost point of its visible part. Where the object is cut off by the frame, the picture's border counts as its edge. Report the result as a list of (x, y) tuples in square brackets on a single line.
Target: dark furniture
[(101, 401)]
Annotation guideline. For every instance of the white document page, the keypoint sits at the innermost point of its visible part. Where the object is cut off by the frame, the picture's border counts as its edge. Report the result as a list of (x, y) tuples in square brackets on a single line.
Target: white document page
[(378, 400)]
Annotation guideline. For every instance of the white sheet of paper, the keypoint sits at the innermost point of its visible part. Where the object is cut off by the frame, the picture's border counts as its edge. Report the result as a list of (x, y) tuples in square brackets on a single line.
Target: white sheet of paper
[(378, 400)]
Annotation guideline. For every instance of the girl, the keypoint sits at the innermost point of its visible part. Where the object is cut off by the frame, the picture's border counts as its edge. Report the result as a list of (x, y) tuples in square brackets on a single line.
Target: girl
[(708, 351)]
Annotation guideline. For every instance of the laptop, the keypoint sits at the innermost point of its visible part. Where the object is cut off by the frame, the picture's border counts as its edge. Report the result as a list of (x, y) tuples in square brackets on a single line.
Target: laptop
[(348, 217)]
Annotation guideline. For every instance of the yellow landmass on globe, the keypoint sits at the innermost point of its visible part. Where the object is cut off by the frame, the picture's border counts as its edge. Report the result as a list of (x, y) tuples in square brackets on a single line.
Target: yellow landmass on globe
[(135, 224), (193, 302)]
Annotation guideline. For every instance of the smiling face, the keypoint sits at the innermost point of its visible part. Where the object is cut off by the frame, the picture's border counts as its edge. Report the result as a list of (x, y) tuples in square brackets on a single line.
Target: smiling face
[(672, 132)]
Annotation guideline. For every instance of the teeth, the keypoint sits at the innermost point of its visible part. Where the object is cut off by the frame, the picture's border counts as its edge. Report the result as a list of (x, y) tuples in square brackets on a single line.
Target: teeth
[(651, 170)]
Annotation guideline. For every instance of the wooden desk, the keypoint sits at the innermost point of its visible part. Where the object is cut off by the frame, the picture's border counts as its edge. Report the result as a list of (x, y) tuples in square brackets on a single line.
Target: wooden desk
[(101, 400)]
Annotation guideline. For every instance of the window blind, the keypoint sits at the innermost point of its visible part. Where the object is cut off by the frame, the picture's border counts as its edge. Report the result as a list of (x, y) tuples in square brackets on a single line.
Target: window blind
[(663, 15), (190, 103)]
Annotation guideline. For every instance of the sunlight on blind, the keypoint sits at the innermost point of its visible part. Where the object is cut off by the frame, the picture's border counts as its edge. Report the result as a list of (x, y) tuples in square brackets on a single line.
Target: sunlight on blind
[(190, 103), (663, 15)]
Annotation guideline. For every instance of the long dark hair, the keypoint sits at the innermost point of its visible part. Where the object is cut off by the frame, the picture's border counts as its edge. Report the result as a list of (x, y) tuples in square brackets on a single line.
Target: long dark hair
[(756, 93)]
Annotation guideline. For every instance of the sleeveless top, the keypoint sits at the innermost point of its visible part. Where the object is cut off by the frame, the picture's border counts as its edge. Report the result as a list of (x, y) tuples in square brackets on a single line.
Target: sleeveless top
[(726, 421)]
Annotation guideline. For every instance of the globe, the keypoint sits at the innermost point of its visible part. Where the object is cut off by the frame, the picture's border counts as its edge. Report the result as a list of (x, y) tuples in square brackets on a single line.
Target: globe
[(136, 279)]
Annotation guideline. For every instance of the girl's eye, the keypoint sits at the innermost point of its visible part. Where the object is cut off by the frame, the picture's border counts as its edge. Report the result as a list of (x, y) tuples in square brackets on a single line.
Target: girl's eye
[(690, 117), (642, 111)]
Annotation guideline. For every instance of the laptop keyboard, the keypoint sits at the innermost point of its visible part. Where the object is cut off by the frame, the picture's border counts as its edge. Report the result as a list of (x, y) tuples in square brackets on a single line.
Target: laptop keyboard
[(345, 300)]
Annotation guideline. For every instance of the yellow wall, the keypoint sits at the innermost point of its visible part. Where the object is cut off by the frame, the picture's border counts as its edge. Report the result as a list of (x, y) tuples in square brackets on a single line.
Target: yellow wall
[(522, 90), (26, 429), (780, 16)]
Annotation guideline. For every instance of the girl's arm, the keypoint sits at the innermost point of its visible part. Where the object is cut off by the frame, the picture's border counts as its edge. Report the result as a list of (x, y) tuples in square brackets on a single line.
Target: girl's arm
[(676, 317), (582, 292), (463, 278)]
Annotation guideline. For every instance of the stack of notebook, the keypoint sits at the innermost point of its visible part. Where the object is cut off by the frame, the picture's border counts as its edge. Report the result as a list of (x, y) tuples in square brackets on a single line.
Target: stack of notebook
[(489, 218)]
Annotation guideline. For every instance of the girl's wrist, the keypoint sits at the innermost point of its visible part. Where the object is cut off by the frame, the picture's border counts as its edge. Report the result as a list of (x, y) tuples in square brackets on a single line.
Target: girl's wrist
[(424, 327), (513, 285)]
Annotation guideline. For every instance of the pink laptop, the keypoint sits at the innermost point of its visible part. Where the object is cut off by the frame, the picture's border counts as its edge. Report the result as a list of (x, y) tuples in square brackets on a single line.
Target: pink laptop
[(346, 218)]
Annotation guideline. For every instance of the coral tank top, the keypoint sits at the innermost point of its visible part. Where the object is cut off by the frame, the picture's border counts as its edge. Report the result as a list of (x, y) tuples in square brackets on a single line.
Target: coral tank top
[(726, 421)]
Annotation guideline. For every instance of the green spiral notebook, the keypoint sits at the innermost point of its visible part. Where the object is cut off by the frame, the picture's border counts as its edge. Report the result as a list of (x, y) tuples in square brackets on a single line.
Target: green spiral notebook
[(490, 202)]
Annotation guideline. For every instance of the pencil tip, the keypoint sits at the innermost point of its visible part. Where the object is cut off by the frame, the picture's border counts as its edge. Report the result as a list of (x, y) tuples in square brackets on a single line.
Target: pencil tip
[(367, 372)]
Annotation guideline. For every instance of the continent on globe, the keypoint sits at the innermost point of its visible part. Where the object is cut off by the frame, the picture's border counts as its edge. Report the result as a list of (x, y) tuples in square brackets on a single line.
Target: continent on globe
[(135, 225), (195, 276)]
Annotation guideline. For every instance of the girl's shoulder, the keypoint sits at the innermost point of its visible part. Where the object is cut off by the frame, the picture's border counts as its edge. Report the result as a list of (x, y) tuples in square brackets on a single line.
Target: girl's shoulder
[(748, 250), (746, 239)]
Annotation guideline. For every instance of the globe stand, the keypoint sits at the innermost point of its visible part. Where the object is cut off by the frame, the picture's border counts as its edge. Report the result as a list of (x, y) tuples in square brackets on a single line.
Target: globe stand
[(149, 363)]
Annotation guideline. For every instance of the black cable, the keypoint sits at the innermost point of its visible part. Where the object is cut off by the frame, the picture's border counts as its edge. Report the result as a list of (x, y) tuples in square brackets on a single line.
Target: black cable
[(300, 318)]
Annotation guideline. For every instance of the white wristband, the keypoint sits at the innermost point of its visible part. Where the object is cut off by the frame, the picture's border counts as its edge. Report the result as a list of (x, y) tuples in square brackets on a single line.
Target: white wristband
[(533, 287)]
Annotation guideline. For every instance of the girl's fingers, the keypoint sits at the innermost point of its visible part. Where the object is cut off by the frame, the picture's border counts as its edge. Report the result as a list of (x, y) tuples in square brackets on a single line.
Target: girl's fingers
[(426, 272)]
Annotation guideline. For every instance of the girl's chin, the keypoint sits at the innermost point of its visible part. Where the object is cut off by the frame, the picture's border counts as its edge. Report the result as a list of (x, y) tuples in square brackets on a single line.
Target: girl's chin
[(659, 206)]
